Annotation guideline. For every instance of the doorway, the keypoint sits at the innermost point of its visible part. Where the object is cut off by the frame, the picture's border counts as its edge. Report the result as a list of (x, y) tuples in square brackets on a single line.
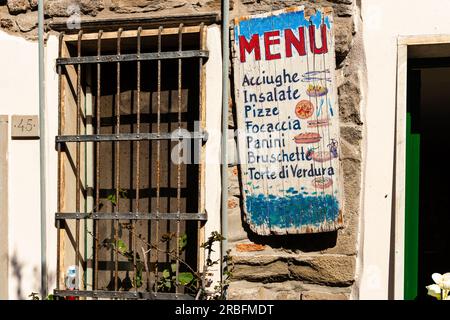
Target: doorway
[(427, 187)]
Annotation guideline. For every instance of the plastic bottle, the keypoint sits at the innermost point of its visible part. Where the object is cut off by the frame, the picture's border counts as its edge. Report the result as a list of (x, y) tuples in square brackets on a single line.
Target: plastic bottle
[(71, 280)]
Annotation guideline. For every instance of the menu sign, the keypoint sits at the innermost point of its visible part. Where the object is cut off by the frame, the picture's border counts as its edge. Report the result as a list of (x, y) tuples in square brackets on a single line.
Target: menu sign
[(288, 121)]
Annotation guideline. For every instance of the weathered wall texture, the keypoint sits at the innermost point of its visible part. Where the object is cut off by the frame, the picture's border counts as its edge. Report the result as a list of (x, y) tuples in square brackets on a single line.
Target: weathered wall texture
[(20, 16), (311, 266)]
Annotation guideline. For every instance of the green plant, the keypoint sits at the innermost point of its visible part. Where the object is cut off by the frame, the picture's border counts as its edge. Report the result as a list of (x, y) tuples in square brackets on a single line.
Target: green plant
[(191, 280), (194, 282), (123, 250), (219, 290), (35, 296), (169, 274)]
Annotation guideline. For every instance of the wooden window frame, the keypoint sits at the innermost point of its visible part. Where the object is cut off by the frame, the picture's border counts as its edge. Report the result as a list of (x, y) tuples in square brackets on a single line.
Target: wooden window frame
[(70, 64)]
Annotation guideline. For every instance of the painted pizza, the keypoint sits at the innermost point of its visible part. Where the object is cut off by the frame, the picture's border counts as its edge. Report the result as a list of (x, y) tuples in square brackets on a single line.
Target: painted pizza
[(304, 109)]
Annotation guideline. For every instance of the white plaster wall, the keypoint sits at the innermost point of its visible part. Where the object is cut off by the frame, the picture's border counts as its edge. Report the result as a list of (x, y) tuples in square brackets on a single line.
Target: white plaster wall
[(51, 95), (19, 95), (213, 145), (383, 22)]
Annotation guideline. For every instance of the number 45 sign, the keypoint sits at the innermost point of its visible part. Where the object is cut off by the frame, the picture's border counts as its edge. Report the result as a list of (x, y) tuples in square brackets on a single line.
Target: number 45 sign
[(24, 127)]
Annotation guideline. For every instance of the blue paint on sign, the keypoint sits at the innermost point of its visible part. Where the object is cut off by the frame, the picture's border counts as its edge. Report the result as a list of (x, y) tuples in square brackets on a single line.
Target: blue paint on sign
[(316, 19), (294, 210), (288, 20)]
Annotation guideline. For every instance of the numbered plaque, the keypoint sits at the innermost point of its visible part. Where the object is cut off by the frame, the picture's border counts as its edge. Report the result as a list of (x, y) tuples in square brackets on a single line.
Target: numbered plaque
[(25, 127)]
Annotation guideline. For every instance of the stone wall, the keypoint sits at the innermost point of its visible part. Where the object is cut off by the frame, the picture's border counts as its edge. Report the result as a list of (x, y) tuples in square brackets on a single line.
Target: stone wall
[(310, 266), (20, 16)]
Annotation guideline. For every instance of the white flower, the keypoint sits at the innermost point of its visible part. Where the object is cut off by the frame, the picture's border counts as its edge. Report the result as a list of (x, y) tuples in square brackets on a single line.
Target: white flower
[(437, 278), (434, 290), (446, 281), (443, 281)]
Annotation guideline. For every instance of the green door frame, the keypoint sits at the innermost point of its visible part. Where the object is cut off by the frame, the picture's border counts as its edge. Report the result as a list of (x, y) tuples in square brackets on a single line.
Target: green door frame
[(411, 211), (412, 182)]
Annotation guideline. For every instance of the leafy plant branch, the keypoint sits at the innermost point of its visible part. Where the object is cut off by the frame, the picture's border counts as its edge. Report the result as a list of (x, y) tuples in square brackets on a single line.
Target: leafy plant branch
[(193, 281)]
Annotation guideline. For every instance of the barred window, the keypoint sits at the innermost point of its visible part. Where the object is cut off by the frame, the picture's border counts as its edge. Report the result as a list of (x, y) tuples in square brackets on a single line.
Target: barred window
[(128, 102)]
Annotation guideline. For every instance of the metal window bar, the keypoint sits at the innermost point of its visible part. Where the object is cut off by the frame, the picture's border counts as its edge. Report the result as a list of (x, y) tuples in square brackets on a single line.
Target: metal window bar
[(130, 137), (60, 116), (97, 160), (158, 156), (78, 184), (117, 168), (180, 48), (62, 140), (61, 216), (138, 146), (202, 117), (133, 57)]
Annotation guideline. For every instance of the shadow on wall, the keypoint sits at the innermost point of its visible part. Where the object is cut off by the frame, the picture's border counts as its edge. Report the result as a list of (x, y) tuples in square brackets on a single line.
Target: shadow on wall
[(303, 242), (17, 268)]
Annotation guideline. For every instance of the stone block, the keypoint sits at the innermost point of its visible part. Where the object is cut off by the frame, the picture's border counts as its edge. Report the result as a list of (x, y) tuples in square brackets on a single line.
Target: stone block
[(233, 182), (233, 202), (242, 290), (92, 7), (341, 1), (316, 295), (329, 270), (27, 22), (343, 9), (249, 247), (349, 101), (7, 24), (33, 4), (351, 138), (136, 6), (275, 271), (18, 6), (215, 5), (344, 29), (286, 290), (236, 231), (352, 177), (66, 8), (60, 8)]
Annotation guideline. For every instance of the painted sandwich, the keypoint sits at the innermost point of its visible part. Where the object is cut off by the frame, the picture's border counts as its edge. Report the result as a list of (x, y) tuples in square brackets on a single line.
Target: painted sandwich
[(307, 137), (318, 123)]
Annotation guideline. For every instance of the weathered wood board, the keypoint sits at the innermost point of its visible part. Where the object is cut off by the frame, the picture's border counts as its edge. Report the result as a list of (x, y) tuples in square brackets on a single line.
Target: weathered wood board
[(288, 121)]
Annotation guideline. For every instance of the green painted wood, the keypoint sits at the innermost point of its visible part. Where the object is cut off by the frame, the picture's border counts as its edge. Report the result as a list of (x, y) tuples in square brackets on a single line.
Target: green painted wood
[(412, 211)]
